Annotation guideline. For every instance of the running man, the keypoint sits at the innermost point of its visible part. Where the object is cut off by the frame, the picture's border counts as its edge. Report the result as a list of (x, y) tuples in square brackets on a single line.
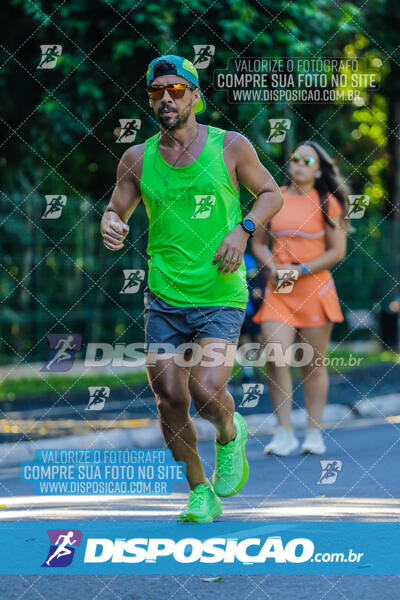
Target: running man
[(49, 56), (203, 55), (357, 207), (130, 128), (62, 549), (279, 128), (332, 469), (197, 289), (63, 345), (98, 396), (252, 396), (131, 281), (53, 206)]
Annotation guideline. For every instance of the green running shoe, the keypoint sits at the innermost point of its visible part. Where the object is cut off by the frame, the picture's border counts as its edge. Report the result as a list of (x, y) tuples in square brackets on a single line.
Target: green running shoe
[(203, 505), (231, 468)]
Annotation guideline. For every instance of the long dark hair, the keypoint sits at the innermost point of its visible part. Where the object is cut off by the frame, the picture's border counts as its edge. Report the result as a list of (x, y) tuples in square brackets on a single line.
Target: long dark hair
[(330, 182)]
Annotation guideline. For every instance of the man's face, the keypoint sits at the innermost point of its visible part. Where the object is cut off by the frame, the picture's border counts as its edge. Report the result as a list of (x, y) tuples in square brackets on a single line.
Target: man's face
[(173, 113)]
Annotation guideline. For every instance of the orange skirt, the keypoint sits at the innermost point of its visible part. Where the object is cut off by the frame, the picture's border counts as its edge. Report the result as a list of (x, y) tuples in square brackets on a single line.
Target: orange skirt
[(312, 302)]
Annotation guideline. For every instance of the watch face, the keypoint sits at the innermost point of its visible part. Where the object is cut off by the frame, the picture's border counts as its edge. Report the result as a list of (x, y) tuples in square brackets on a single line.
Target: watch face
[(249, 224)]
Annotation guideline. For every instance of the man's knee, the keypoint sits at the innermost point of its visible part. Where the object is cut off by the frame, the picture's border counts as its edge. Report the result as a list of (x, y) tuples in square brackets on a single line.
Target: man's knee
[(207, 394), (169, 399)]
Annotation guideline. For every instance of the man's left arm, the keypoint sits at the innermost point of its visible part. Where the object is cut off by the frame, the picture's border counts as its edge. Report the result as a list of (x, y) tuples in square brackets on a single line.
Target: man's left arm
[(242, 158)]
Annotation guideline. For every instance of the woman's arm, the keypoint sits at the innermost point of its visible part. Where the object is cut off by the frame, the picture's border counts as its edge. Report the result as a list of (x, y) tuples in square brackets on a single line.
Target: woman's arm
[(335, 249), (259, 247)]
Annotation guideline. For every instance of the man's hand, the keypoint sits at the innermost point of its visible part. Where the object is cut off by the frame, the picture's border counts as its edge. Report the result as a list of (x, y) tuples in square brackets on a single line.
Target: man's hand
[(231, 250), (113, 230), (125, 198)]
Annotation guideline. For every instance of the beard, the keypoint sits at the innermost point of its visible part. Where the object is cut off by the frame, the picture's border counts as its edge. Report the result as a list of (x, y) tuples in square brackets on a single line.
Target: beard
[(172, 123)]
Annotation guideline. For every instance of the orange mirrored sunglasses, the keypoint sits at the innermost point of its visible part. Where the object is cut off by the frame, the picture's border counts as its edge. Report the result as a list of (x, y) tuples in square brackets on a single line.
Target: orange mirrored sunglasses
[(175, 90)]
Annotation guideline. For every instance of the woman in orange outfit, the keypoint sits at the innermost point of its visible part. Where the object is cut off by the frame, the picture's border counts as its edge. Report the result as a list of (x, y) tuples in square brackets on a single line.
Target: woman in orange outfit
[(309, 237)]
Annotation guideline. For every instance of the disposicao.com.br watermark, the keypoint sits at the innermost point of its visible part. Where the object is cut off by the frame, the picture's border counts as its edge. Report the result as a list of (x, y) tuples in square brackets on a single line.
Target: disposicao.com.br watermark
[(212, 354), (212, 551)]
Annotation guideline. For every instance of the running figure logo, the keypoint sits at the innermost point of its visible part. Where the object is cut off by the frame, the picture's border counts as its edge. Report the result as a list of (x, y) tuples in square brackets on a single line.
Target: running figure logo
[(251, 394), (357, 207), (286, 279), (62, 547), (133, 279), (329, 471), (203, 206), (129, 129), (63, 347), (202, 55), (54, 206), (279, 129), (50, 54), (97, 397)]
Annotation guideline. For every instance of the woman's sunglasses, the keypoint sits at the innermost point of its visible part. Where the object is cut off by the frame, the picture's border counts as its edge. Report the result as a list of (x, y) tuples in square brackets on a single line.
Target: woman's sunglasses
[(175, 90), (308, 160)]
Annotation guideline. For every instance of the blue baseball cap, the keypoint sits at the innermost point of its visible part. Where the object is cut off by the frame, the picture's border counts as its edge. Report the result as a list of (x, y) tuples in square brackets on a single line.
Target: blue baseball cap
[(183, 68)]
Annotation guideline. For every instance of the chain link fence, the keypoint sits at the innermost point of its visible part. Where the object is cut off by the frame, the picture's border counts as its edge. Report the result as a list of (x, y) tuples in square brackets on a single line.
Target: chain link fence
[(57, 277)]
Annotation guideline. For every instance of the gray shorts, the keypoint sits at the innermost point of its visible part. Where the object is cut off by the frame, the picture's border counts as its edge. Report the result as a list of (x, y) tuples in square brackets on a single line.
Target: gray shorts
[(176, 325)]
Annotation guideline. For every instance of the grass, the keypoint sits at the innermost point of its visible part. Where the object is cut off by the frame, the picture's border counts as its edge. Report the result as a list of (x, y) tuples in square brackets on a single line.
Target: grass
[(11, 389)]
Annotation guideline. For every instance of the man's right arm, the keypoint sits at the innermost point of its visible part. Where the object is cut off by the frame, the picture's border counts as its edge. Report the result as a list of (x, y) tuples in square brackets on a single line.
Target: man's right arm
[(125, 198)]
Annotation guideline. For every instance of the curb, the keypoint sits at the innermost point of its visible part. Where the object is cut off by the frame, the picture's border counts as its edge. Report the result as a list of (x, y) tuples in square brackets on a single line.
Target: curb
[(380, 406), (149, 436)]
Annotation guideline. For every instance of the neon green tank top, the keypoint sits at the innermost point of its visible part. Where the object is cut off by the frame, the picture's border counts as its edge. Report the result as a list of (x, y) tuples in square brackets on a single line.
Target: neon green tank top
[(188, 219)]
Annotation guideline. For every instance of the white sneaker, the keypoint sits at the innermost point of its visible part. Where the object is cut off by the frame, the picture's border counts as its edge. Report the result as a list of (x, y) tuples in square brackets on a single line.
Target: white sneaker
[(313, 442), (283, 442)]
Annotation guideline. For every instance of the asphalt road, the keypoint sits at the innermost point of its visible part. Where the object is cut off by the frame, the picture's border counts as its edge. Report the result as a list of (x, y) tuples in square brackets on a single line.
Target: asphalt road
[(32, 418), (192, 587), (367, 488), (278, 487)]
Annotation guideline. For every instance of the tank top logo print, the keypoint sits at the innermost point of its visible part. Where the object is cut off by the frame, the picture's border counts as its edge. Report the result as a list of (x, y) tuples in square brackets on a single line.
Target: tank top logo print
[(204, 204)]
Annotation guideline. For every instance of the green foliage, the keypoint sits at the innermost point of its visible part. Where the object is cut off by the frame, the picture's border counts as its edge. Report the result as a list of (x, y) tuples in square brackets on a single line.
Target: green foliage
[(13, 388), (59, 126)]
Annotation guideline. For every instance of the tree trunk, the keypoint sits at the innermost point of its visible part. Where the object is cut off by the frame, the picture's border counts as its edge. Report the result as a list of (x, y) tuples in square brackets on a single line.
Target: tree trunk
[(392, 208)]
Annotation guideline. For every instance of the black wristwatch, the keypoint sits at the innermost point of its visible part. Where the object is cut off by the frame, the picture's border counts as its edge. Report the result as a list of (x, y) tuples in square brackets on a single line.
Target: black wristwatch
[(249, 226)]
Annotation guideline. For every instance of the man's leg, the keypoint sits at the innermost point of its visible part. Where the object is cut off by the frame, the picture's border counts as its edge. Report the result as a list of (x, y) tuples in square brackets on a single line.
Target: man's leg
[(169, 383), (207, 385)]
